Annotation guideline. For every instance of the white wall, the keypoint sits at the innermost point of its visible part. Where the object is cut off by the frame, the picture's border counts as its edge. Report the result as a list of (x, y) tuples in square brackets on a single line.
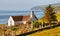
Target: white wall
[(24, 22), (10, 21)]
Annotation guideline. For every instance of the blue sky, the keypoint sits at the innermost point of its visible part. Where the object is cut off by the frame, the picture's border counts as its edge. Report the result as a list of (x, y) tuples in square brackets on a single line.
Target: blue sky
[(16, 5)]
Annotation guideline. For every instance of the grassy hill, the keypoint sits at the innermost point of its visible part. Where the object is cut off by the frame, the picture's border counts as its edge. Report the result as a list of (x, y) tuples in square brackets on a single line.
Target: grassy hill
[(49, 32), (58, 16)]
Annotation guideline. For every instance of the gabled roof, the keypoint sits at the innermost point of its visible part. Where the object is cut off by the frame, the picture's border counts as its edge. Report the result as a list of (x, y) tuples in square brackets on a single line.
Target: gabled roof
[(32, 12), (35, 17), (25, 17), (21, 18)]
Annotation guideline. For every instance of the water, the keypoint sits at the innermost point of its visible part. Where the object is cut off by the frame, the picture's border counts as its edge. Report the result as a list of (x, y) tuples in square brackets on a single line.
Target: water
[(4, 15)]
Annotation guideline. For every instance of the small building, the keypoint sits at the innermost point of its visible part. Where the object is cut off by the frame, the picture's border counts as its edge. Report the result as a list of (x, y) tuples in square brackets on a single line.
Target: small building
[(24, 19)]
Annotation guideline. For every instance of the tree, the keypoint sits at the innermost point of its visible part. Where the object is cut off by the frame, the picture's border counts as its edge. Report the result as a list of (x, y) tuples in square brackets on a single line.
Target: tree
[(50, 14)]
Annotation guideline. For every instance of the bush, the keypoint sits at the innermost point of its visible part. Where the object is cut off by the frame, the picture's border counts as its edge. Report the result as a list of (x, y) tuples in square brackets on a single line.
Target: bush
[(36, 24), (14, 28)]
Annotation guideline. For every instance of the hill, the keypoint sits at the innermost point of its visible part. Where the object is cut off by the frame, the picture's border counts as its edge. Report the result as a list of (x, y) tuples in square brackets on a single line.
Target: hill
[(50, 32)]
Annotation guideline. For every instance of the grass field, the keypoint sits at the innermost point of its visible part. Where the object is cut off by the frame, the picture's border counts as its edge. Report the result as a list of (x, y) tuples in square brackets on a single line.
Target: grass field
[(58, 16), (49, 32)]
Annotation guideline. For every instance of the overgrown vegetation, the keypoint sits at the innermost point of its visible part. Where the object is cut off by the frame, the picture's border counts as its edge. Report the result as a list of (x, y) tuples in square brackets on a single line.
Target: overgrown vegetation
[(50, 14), (16, 28), (36, 24)]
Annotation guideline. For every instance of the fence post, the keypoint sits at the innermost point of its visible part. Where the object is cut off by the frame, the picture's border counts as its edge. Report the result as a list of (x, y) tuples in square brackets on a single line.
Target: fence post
[(42, 24)]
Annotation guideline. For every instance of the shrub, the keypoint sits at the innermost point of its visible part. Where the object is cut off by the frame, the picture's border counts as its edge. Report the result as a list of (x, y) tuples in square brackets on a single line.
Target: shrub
[(36, 24), (14, 28)]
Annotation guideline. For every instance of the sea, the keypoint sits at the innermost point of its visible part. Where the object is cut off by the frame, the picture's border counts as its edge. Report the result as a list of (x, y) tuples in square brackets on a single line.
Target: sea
[(4, 15)]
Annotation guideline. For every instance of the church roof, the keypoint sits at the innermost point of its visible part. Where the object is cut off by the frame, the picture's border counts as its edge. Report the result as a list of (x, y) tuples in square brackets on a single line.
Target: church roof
[(24, 17), (21, 18)]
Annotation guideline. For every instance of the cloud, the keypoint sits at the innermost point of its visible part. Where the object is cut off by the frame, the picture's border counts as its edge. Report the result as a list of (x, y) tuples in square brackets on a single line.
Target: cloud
[(23, 4)]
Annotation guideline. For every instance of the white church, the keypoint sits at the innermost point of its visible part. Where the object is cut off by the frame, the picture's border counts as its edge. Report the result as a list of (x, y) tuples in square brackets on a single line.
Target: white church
[(23, 19)]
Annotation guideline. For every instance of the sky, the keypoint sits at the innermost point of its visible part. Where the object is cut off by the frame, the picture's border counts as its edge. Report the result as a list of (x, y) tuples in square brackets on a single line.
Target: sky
[(17, 5)]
